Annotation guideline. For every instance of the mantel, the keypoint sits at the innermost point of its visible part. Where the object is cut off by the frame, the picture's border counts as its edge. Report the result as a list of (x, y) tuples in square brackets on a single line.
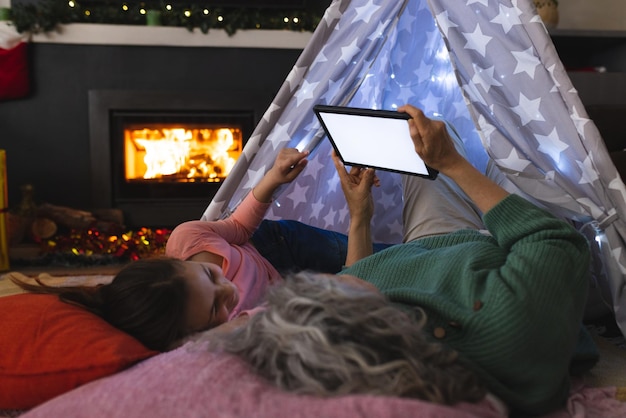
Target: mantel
[(105, 34)]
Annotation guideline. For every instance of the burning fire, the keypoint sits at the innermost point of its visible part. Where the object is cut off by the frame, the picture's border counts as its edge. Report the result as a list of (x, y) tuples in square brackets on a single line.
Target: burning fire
[(181, 154)]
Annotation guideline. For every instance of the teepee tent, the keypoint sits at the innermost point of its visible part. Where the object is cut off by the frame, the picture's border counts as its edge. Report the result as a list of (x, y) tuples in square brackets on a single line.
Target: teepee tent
[(490, 69)]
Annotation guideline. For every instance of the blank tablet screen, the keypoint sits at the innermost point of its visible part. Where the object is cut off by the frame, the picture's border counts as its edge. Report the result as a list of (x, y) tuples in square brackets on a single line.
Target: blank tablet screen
[(376, 139)]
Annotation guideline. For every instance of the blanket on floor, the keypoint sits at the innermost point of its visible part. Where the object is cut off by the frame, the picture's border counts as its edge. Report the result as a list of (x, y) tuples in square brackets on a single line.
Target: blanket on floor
[(199, 383)]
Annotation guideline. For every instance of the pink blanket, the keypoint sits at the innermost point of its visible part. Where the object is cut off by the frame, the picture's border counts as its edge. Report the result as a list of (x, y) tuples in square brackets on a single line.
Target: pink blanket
[(192, 382)]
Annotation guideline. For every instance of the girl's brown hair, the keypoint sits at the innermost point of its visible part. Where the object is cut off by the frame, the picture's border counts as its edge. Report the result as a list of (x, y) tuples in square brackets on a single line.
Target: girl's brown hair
[(146, 299)]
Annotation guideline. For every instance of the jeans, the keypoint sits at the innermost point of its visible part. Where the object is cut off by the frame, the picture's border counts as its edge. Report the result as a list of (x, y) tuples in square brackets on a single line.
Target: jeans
[(292, 246)]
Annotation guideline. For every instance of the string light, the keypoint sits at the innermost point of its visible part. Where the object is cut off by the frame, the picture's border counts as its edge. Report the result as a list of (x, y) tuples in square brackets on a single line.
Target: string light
[(46, 15)]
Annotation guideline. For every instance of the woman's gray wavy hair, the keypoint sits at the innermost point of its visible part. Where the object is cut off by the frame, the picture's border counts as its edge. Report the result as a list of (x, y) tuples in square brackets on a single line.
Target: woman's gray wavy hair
[(322, 337)]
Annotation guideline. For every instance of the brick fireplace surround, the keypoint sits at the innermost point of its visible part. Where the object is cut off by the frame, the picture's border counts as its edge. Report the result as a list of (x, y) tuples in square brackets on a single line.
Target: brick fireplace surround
[(47, 135)]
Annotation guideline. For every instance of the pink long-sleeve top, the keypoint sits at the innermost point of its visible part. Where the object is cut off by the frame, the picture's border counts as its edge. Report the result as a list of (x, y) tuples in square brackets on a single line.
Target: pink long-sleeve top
[(230, 239)]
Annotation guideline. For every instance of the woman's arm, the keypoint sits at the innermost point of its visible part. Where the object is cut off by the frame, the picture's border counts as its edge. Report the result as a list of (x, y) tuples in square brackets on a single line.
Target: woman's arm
[(356, 185), (434, 145)]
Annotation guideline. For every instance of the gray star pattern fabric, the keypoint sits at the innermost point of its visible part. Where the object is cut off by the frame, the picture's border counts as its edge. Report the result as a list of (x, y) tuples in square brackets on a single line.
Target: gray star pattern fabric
[(486, 66)]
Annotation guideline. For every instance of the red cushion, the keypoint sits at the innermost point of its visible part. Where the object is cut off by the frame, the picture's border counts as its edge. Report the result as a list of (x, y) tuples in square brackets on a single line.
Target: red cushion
[(49, 347)]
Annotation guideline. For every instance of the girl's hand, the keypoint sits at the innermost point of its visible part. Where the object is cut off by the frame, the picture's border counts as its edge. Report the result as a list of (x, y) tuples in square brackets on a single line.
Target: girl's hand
[(288, 165)]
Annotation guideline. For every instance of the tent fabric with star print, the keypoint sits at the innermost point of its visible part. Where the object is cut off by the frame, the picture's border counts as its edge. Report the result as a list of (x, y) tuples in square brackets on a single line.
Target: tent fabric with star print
[(486, 66)]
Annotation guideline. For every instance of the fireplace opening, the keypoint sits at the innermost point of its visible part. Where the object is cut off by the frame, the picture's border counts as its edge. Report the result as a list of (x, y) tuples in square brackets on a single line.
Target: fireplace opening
[(165, 155), (173, 153)]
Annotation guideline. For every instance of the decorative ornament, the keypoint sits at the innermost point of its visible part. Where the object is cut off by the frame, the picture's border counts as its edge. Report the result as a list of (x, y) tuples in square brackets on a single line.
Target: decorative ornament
[(153, 17), (548, 10), (14, 69), (95, 246)]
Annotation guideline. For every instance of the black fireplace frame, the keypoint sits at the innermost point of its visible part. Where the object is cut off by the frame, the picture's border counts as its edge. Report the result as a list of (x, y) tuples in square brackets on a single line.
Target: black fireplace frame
[(160, 211)]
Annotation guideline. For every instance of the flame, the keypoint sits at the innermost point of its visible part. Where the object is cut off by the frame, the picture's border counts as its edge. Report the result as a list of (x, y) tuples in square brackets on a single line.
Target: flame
[(205, 154)]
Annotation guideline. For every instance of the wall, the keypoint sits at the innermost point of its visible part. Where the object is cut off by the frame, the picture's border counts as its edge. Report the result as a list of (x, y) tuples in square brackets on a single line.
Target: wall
[(592, 14), (46, 134)]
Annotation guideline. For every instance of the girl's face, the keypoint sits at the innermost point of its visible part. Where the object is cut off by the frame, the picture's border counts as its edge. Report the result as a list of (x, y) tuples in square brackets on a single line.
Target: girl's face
[(211, 296)]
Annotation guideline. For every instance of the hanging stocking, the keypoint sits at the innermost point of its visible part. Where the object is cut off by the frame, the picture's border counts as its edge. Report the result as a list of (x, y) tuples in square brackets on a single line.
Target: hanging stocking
[(14, 74)]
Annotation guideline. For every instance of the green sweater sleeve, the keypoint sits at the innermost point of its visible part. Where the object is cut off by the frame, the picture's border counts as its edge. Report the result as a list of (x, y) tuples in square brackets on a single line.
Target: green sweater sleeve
[(539, 293)]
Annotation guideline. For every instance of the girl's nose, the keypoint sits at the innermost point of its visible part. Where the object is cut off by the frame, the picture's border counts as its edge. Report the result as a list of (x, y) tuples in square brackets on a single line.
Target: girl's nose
[(228, 294), (225, 288)]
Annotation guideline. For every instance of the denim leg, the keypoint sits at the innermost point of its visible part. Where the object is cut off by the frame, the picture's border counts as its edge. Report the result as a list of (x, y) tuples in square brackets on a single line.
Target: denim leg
[(293, 246)]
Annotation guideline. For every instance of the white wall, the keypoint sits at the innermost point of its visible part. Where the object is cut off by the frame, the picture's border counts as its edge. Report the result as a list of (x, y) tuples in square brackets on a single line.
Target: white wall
[(592, 14)]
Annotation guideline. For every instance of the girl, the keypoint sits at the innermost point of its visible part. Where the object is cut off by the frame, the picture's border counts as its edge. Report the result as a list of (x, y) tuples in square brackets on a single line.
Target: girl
[(211, 274)]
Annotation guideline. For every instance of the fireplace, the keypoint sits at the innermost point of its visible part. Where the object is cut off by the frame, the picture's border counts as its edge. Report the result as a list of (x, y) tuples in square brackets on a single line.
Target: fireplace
[(160, 157)]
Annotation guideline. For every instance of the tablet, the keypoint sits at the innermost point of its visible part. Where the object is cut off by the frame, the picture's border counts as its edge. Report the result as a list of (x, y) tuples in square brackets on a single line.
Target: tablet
[(376, 139)]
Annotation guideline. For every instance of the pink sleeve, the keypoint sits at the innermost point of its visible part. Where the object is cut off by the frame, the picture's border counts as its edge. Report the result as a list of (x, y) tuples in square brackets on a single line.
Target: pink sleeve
[(192, 237), (249, 214)]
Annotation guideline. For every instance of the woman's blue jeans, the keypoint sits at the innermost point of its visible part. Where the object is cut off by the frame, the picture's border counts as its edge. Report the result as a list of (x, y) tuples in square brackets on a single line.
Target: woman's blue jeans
[(292, 246)]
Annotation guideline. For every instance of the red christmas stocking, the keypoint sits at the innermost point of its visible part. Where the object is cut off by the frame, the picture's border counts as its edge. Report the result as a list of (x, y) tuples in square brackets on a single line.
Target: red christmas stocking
[(14, 74)]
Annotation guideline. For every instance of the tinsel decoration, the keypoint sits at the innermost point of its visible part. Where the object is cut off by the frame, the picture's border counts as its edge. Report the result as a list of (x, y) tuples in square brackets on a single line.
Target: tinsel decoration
[(92, 246), (46, 15)]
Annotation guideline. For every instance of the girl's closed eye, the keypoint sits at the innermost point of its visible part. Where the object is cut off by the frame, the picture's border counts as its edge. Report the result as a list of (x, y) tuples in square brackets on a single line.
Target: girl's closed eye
[(214, 313)]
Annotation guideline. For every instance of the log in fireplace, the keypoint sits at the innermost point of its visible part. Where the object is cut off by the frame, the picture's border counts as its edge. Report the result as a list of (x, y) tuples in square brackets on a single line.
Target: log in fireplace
[(161, 156)]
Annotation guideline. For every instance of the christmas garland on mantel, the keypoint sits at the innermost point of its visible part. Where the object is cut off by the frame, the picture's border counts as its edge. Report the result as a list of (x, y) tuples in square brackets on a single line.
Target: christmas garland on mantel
[(46, 15)]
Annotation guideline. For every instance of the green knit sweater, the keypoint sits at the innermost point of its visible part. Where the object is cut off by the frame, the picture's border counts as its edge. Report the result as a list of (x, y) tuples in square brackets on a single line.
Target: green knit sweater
[(510, 303)]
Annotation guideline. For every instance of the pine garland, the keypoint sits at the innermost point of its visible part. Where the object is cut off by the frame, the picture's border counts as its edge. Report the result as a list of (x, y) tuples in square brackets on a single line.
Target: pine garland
[(46, 15)]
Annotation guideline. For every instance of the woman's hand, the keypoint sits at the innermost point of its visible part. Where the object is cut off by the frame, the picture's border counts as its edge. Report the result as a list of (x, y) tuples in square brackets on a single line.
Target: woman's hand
[(431, 140), (433, 144), (288, 165), (357, 188)]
